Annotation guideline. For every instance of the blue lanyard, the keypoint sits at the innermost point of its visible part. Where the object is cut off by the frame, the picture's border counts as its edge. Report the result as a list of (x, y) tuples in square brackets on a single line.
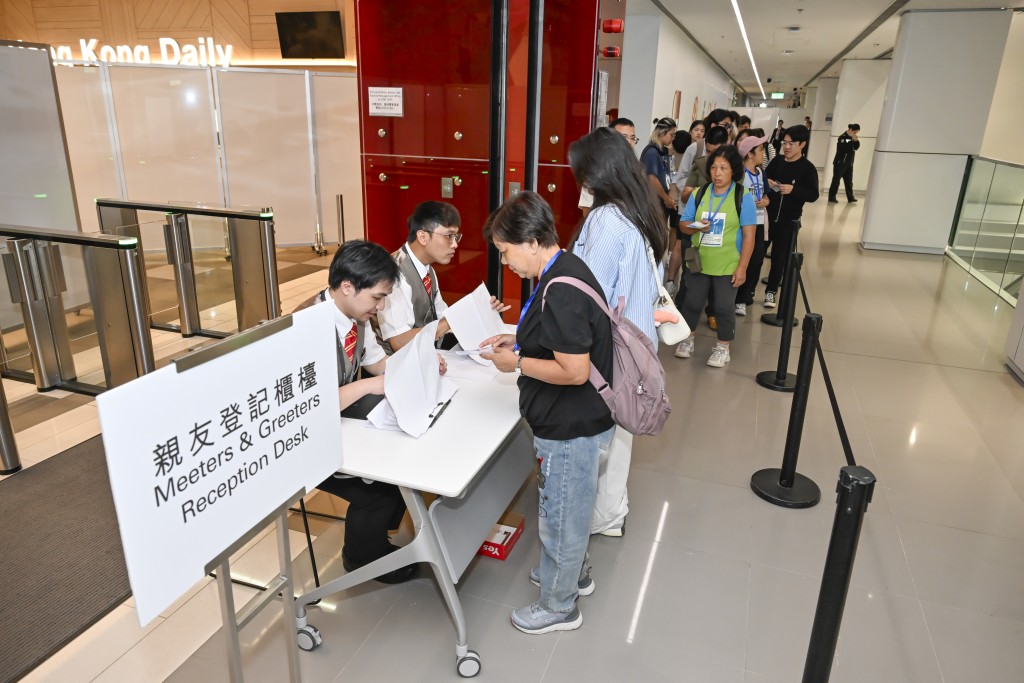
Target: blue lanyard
[(757, 186), (714, 213), (526, 306)]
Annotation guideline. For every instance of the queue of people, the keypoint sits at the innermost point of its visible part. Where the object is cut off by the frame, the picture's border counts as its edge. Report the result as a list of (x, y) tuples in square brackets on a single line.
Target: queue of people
[(715, 201)]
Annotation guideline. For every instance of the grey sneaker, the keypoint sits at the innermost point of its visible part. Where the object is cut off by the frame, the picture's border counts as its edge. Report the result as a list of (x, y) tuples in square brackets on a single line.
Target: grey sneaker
[(741, 309), (684, 349), (534, 619), (585, 586), (769, 300), (719, 357)]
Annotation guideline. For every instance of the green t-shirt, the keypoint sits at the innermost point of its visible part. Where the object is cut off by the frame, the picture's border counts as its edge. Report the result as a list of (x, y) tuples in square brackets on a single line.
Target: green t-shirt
[(720, 246)]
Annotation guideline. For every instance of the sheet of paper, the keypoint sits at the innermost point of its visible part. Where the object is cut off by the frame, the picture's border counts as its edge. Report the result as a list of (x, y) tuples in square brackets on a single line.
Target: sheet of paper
[(464, 367), (383, 417), (473, 352), (473, 320), (414, 388)]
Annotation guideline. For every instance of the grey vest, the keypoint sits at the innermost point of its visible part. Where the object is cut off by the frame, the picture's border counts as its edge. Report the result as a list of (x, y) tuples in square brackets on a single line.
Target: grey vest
[(423, 310), (348, 371)]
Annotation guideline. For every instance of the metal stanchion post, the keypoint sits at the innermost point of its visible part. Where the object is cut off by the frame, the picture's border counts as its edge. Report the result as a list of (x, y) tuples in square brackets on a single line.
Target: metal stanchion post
[(780, 379), (855, 488), (9, 460), (785, 486)]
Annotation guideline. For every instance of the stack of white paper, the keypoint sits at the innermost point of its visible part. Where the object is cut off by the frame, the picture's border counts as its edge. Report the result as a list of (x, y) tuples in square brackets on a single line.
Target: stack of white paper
[(415, 392)]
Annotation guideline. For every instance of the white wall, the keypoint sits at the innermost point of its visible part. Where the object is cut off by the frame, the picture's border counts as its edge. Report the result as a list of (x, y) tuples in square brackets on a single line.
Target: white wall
[(923, 143), (657, 60), (859, 99), (821, 120), (1003, 140)]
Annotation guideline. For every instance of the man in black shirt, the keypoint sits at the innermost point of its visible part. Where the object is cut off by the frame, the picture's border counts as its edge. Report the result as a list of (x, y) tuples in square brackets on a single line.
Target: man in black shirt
[(842, 164), (792, 182)]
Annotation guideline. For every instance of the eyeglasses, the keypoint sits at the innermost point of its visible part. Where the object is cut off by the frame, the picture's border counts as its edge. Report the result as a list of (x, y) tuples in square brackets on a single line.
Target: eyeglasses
[(788, 143), (453, 237), (631, 138)]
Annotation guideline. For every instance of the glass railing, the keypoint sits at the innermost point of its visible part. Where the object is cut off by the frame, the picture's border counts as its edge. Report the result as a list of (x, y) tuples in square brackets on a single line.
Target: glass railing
[(988, 235)]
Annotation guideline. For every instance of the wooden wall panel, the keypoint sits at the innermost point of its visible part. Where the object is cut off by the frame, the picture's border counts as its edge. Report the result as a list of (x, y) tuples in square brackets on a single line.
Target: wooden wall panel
[(118, 21), (248, 25), (231, 26), (20, 22)]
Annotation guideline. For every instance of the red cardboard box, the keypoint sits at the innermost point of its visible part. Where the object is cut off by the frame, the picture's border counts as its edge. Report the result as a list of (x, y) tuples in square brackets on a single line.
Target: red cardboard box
[(504, 536)]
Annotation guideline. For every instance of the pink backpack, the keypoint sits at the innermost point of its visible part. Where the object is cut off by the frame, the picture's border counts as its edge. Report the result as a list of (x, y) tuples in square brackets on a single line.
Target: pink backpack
[(636, 395)]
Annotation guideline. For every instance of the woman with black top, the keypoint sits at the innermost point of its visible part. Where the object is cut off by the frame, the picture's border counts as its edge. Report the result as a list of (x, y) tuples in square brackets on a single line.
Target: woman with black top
[(561, 332), (657, 163)]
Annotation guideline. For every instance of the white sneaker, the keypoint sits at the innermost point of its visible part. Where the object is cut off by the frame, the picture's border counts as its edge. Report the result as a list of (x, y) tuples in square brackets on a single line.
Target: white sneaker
[(685, 348), (769, 300), (719, 357), (741, 310)]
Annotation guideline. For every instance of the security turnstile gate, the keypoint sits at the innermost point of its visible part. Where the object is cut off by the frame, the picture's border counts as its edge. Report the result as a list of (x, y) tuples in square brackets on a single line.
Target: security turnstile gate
[(249, 248), (107, 287)]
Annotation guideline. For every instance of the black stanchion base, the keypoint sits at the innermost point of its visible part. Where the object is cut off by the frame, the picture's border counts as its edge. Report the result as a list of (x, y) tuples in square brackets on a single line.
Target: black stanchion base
[(803, 494), (10, 471), (770, 380), (775, 320)]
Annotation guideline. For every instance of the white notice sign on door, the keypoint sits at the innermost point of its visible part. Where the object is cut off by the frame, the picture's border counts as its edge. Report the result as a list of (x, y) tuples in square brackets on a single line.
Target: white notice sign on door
[(385, 101), (197, 458)]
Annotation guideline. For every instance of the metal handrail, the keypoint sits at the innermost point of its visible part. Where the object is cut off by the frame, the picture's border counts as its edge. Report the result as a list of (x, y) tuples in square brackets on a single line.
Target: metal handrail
[(65, 237), (998, 162), (194, 209)]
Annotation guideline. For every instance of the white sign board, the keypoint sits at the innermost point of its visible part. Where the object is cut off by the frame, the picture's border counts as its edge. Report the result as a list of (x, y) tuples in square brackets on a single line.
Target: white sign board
[(385, 101), (197, 458)]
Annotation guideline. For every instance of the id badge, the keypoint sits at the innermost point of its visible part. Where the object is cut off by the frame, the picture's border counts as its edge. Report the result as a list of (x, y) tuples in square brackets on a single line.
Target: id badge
[(716, 233)]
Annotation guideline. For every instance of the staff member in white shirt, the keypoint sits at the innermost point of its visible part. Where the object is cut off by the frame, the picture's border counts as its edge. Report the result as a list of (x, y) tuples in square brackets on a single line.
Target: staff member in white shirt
[(361, 276), (416, 300)]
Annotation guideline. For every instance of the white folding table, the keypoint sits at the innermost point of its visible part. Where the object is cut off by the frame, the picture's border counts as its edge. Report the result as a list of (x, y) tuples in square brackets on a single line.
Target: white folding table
[(474, 458)]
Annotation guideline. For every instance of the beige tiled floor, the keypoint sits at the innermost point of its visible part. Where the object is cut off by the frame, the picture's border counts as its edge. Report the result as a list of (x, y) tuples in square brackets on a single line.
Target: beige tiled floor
[(710, 583)]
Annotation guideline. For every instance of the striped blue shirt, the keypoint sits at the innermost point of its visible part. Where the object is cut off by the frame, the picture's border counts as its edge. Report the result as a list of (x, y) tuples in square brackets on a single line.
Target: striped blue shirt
[(616, 252)]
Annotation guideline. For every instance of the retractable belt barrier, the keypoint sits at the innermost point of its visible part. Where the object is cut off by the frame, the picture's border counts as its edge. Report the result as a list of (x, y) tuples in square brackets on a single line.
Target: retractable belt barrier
[(787, 488)]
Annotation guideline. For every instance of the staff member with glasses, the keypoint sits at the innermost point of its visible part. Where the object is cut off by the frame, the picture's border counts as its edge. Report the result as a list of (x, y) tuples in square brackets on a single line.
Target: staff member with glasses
[(626, 127), (416, 301)]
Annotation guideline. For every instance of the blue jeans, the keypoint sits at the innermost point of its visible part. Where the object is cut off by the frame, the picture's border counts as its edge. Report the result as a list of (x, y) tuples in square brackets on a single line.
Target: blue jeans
[(568, 488)]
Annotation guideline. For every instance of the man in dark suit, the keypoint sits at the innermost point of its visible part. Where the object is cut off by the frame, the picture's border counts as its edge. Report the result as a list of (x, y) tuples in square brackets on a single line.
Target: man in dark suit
[(842, 164), (776, 139)]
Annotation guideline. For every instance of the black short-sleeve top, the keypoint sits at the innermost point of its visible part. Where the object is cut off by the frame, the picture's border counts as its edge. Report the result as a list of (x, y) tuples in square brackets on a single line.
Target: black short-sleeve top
[(572, 323)]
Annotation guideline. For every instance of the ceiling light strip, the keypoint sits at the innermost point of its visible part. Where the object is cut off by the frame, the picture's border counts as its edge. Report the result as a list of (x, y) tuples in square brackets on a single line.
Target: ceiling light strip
[(879, 20), (750, 53), (675, 20)]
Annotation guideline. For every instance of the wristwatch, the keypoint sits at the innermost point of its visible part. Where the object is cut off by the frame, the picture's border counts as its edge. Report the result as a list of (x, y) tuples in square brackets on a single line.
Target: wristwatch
[(519, 366)]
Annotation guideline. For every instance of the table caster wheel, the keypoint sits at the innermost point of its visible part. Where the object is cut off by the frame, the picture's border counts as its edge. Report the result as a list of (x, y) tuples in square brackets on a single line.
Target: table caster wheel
[(309, 638), (468, 666)]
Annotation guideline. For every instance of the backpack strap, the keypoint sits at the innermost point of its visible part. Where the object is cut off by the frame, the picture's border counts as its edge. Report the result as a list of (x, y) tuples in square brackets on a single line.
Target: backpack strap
[(597, 380), (580, 285)]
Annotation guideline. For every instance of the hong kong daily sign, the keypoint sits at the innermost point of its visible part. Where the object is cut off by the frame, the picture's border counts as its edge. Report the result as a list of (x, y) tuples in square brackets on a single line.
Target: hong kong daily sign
[(198, 458)]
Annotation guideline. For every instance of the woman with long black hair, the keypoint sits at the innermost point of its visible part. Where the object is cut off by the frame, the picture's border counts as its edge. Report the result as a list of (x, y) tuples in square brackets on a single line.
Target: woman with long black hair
[(624, 221)]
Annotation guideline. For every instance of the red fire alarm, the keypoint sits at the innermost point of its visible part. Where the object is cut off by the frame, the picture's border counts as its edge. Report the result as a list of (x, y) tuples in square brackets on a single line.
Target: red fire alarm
[(613, 26), (611, 52)]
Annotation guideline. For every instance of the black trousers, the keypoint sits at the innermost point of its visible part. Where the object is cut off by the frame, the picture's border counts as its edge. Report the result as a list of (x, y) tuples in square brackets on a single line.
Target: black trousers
[(373, 509), (718, 292), (847, 175), (745, 294), (783, 238), (687, 241)]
